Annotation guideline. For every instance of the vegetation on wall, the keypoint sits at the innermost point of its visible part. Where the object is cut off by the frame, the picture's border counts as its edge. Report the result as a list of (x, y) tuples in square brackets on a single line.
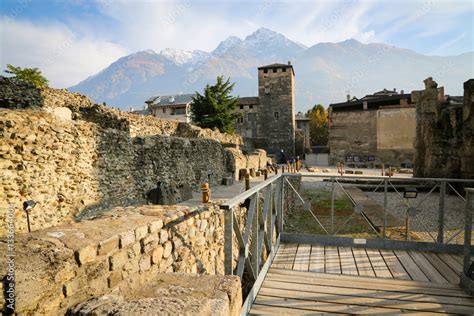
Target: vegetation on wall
[(32, 75), (318, 125), (215, 107)]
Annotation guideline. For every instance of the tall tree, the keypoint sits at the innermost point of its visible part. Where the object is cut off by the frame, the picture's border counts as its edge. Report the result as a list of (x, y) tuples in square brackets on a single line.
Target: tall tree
[(215, 108), (28, 74), (318, 125)]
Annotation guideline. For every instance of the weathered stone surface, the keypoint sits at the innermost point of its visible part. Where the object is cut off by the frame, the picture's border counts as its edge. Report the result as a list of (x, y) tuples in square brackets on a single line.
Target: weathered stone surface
[(114, 278), (140, 232), (127, 238), (155, 226), (167, 248), (157, 254), (86, 254), (145, 263), (172, 294), (117, 260), (108, 245), (57, 282), (445, 125)]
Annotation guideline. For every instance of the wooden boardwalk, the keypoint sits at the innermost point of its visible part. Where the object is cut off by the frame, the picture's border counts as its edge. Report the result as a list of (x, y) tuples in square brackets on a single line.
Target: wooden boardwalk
[(312, 279)]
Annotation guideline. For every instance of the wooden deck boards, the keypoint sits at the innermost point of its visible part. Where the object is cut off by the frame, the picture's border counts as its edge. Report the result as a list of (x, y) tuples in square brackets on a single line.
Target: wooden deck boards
[(315, 279)]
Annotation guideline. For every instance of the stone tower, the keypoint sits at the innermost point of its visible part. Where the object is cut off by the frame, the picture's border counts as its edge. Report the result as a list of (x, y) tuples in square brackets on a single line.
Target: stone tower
[(276, 117)]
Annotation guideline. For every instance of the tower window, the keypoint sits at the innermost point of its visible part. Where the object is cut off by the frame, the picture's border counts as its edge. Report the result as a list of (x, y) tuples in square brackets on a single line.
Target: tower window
[(241, 107), (251, 106), (275, 70), (164, 110), (240, 119), (265, 71), (276, 115), (283, 70)]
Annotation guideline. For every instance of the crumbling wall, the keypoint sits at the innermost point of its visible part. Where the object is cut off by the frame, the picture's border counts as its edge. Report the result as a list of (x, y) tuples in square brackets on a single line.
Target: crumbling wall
[(77, 159), (123, 252), (444, 145)]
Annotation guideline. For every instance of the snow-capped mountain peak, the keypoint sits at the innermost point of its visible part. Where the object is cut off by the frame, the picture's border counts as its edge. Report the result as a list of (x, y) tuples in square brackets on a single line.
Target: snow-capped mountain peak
[(183, 57), (225, 45)]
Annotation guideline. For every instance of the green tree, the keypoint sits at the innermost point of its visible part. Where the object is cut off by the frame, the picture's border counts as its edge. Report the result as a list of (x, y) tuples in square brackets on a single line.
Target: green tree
[(318, 125), (32, 75), (215, 108)]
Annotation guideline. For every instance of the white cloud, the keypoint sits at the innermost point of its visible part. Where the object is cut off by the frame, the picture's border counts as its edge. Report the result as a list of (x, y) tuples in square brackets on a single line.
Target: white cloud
[(64, 57)]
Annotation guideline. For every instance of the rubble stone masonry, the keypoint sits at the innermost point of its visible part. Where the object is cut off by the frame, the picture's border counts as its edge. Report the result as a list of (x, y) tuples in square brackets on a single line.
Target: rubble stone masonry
[(445, 131), (76, 158)]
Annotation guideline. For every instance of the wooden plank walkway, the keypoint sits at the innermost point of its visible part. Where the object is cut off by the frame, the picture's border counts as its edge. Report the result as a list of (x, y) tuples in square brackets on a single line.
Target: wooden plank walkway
[(371, 209), (315, 279)]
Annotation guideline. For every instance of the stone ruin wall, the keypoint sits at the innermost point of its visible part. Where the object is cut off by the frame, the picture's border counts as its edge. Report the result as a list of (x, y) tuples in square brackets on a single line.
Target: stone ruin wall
[(124, 251), (444, 146), (78, 158)]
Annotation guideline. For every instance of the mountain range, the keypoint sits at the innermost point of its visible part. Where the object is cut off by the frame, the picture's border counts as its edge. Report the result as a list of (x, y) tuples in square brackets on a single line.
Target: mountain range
[(324, 73)]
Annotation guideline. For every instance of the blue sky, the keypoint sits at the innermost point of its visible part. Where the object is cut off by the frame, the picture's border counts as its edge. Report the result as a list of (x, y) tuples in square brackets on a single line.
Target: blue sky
[(72, 39)]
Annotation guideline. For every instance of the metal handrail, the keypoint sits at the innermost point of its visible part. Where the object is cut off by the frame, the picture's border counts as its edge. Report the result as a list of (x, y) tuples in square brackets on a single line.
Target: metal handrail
[(304, 175)]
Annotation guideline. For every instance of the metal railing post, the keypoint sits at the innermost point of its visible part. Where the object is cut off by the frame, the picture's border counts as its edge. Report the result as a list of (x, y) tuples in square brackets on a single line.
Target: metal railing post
[(442, 206), (280, 208), (228, 233), (385, 188), (255, 228), (468, 229), (332, 204)]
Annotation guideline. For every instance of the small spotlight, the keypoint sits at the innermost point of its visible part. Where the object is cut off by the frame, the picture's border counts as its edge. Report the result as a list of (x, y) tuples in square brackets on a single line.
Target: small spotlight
[(410, 193), (28, 205)]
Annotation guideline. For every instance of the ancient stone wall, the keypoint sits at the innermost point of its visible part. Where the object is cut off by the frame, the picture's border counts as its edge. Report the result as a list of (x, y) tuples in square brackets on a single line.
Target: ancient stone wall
[(77, 159), (444, 146), (368, 138), (121, 252)]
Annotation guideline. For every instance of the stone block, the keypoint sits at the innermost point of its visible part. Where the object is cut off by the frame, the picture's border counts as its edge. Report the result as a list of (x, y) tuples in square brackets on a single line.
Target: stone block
[(155, 226), (114, 278), (157, 254), (164, 236), (118, 260), (149, 243), (141, 232), (86, 254), (73, 286), (167, 248), (127, 238), (144, 263), (108, 245)]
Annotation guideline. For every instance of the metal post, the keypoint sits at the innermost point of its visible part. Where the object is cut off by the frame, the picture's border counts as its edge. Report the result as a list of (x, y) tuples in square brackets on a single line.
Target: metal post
[(468, 229), (228, 233), (385, 187), (442, 206), (407, 229), (280, 209), (255, 227), (332, 205)]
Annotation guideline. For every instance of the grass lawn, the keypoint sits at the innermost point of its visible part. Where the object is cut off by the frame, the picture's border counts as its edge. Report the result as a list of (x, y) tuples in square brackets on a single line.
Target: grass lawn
[(301, 221)]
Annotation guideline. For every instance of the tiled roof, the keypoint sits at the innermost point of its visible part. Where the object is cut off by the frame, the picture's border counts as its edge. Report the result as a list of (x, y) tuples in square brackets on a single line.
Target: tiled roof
[(164, 100)]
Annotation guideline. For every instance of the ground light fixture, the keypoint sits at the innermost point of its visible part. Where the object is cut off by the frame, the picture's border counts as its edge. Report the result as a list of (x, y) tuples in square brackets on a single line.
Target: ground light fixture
[(410, 193), (27, 206)]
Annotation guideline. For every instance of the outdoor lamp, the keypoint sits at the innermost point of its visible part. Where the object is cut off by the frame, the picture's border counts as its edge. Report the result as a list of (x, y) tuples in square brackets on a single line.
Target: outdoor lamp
[(27, 206), (410, 193)]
